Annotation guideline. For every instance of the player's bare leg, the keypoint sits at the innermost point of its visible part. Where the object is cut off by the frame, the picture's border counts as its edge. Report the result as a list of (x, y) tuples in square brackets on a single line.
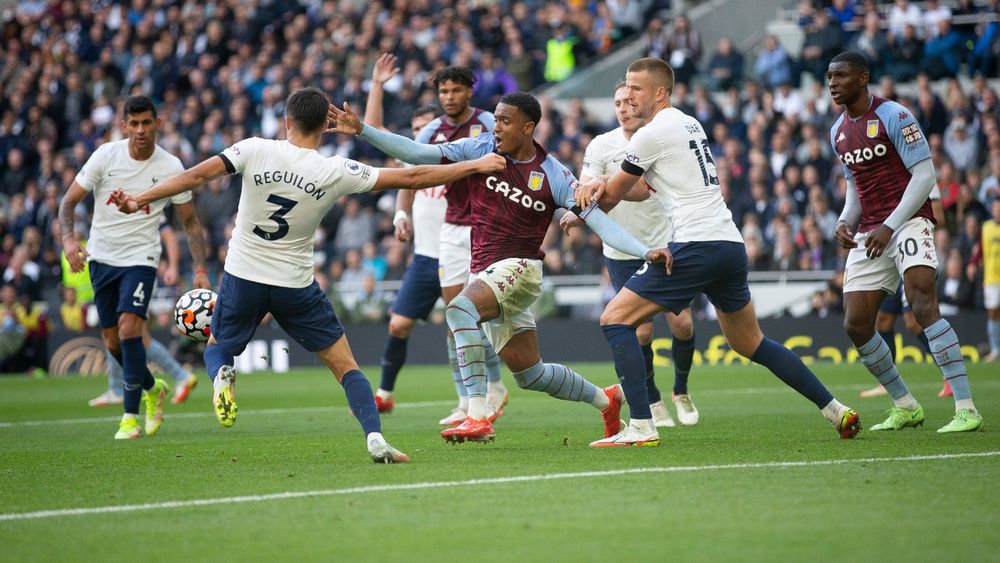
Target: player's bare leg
[(921, 291), (340, 360), (743, 333)]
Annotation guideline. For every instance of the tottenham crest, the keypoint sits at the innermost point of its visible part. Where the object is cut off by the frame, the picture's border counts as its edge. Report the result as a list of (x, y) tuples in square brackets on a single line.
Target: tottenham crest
[(475, 130), (872, 129), (535, 180)]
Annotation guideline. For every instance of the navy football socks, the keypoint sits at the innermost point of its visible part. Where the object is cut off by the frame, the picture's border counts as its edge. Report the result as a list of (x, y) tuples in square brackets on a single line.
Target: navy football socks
[(651, 389), (362, 401), (789, 368), (683, 352), (215, 357), (393, 358), (135, 372), (630, 367)]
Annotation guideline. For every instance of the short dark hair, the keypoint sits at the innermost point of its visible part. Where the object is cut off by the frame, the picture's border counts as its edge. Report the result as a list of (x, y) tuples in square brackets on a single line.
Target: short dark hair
[(307, 108), (525, 102), (657, 68), (138, 104), (459, 74), (424, 110), (853, 59), (618, 86)]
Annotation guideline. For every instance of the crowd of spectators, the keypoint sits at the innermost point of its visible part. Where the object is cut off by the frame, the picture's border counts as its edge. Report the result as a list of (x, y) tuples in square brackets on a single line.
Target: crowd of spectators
[(219, 71)]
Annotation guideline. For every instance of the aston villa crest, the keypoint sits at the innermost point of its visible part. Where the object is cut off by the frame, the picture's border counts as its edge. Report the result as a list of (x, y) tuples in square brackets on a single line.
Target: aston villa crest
[(535, 180), (475, 130), (872, 129)]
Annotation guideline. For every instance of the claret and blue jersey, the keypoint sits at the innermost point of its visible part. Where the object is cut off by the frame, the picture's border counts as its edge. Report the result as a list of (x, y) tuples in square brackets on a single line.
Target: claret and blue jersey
[(877, 150), (511, 211)]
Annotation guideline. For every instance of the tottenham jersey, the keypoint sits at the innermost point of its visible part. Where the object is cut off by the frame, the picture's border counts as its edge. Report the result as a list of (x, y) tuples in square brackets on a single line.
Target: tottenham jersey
[(671, 153), (286, 192), (118, 239), (646, 220), (429, 207)]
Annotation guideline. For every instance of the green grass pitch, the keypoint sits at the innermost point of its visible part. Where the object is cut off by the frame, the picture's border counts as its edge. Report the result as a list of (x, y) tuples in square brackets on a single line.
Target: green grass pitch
[(762, 477)]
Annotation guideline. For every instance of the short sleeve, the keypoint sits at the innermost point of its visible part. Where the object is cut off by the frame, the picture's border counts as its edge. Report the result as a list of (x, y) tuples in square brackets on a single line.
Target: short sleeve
[(641, 153), (239, 155), (354, 177), (92, 172), (468, 149), (905, 133), (424, 135)]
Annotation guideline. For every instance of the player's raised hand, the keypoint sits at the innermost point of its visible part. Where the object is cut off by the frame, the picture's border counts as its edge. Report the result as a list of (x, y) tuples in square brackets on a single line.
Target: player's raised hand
[(569, 222), (343, 120), (877, 241), (661, 256), (590, 192), (125, 202), (491, 163), (385, 68)]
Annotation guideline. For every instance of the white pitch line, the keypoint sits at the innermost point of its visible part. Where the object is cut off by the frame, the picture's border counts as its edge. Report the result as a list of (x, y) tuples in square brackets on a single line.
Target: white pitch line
[(292, 410), (15, 516)]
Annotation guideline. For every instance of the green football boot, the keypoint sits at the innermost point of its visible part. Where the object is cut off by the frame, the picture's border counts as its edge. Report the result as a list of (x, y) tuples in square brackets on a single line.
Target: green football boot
[(965, 421), (900, 418)]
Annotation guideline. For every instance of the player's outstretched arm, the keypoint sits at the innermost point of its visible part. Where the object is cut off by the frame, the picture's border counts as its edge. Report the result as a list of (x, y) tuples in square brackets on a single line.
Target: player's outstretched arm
[(196, 243), (420, 177), (76, 254), (607, 192), (203, 173)]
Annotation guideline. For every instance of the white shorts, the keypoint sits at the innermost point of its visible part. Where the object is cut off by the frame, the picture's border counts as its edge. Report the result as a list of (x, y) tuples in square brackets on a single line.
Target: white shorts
[(516, 283), (912, 245), (455, 254), (991, 296)]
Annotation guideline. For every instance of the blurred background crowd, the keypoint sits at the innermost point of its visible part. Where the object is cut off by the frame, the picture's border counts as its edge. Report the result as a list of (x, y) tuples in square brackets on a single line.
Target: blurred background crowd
[(219, 71)]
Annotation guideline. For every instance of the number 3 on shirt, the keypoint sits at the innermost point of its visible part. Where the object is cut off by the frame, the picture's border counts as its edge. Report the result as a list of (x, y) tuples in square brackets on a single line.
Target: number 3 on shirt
[(284, 206)]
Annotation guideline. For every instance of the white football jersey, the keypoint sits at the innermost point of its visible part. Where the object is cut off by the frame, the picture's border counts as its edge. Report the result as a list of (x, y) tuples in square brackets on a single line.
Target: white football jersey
[(286, 192), (429, 206), (116, 238), (646, 220), (672, 154)]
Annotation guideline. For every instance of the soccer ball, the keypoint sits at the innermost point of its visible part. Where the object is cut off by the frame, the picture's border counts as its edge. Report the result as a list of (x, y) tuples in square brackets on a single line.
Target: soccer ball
[(193, 313)]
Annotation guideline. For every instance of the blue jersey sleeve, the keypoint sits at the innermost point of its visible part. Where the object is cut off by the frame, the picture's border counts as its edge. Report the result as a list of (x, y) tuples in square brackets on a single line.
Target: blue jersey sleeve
[(905, 133), (469, 149), (427, 131), (560, 182), (488, 121)]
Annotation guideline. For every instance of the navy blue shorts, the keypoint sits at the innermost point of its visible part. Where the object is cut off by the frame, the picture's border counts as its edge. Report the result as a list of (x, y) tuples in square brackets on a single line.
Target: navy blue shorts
[(893, 304), (621, 270), (121, 289), (716, 268), (303, 312), (420, 289)]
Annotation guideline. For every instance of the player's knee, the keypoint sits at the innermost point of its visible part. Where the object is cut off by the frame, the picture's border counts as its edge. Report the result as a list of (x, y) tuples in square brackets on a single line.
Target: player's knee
[(925, 313), (129, 326), (400, 326), (857, 330), (644, 333), (611, 317), (682, 329)]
